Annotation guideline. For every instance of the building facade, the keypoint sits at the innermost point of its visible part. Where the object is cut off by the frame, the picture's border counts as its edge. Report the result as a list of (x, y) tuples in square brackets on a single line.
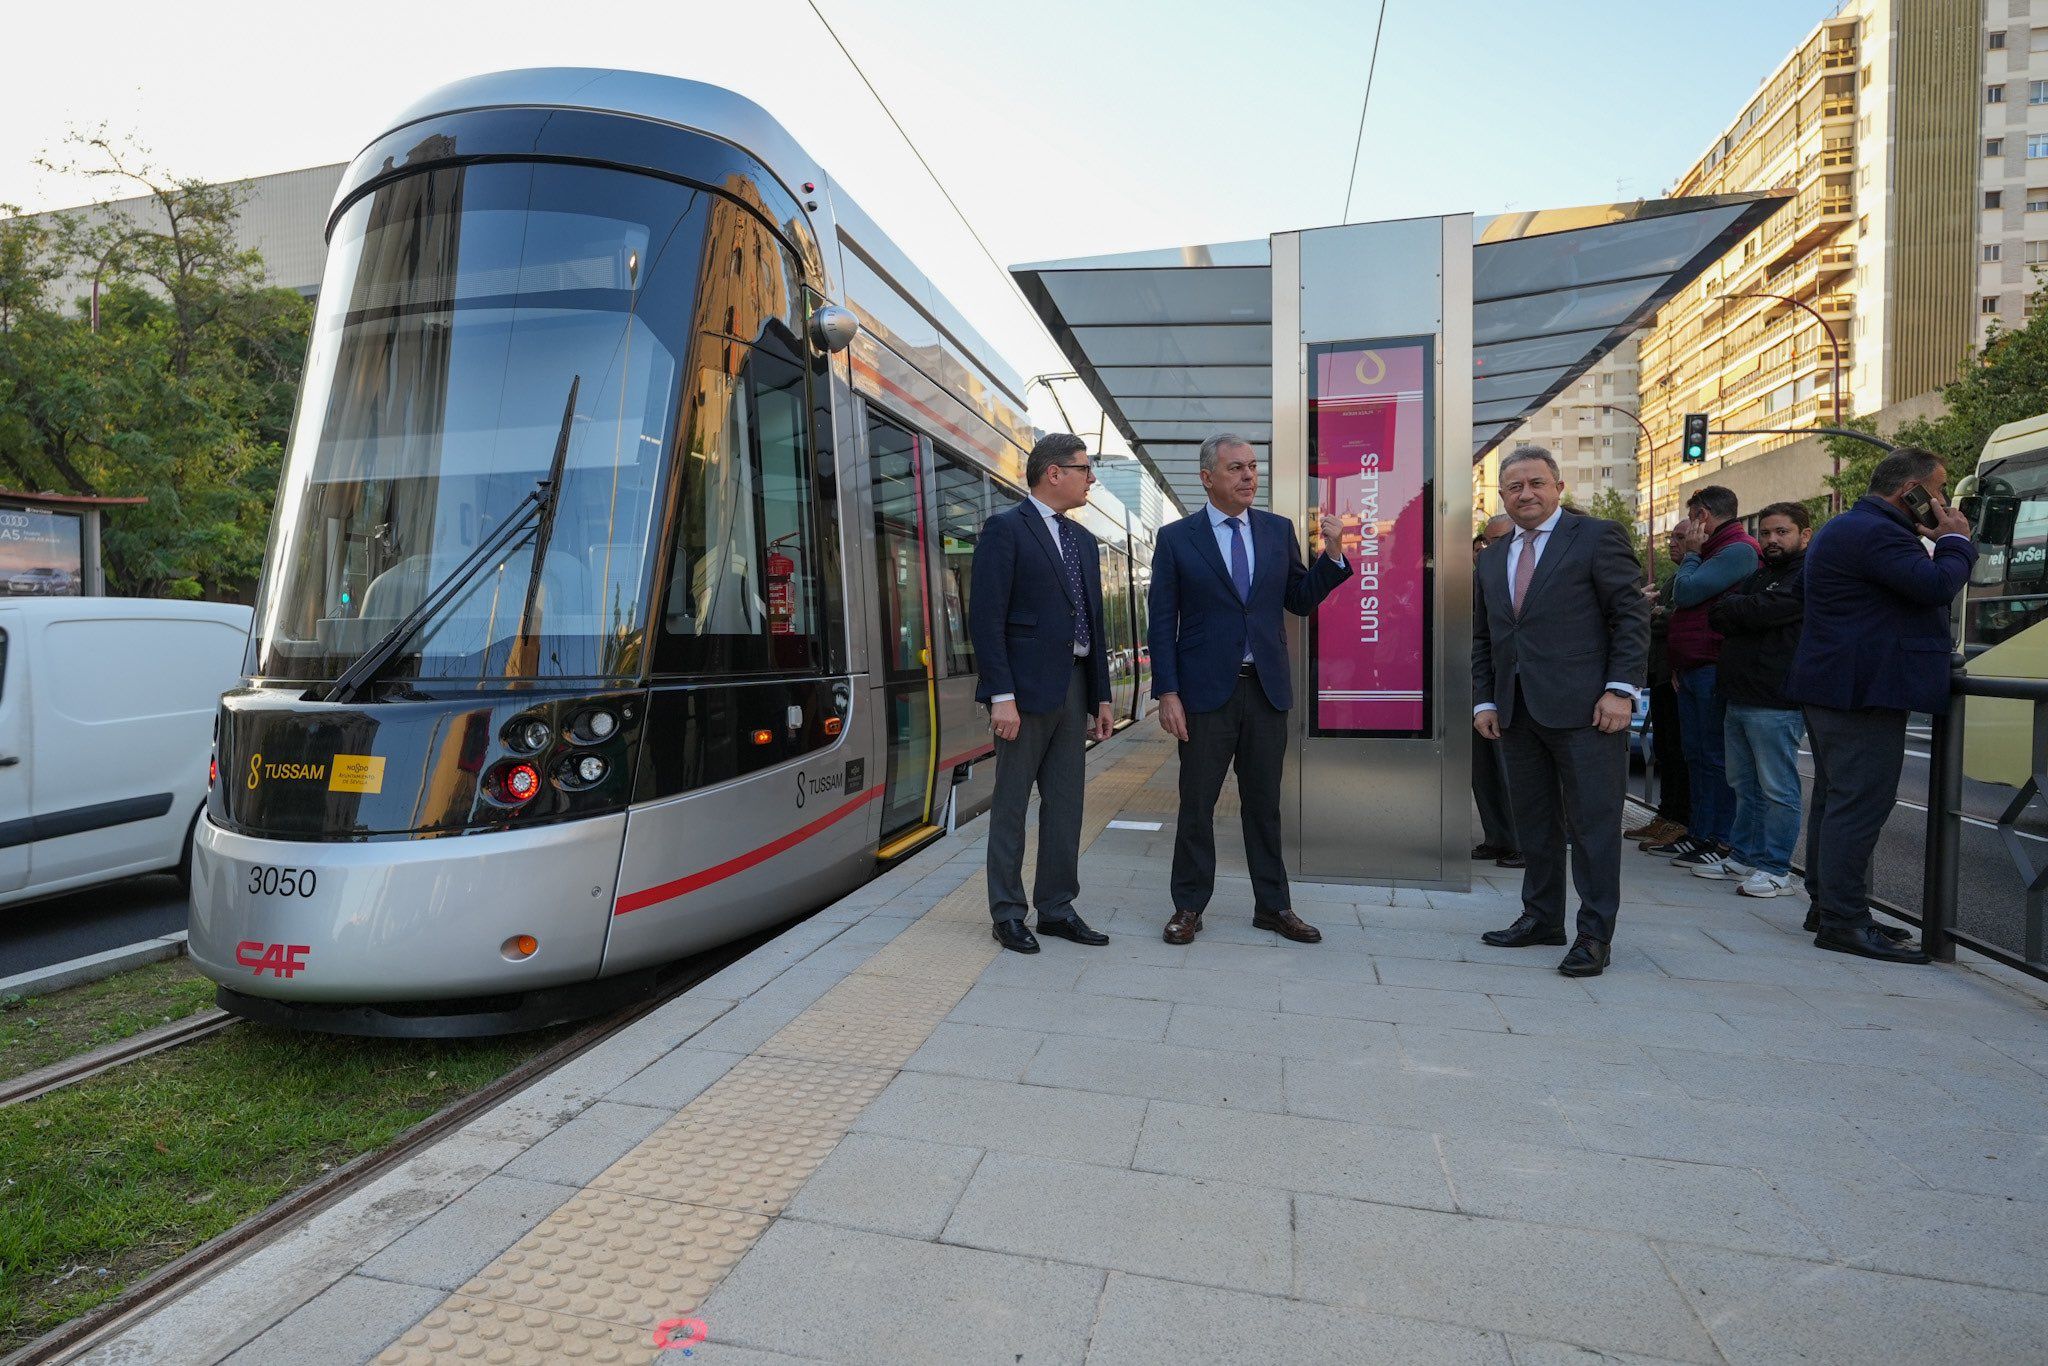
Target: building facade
[(1872, 284), (1595, 446)]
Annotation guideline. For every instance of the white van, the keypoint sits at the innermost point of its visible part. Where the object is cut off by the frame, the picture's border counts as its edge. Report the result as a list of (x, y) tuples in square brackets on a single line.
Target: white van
[(106, 731)]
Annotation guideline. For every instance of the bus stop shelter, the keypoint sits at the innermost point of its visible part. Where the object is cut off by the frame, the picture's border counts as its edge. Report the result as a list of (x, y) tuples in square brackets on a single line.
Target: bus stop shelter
[(1372, 365)]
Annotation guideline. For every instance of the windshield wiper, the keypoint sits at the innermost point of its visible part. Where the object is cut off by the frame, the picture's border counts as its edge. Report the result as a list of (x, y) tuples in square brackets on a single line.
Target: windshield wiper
[(533, 515)]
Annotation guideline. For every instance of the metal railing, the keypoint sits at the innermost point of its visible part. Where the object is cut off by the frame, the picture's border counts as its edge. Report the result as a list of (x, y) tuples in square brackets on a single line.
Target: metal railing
[(1942, 874)]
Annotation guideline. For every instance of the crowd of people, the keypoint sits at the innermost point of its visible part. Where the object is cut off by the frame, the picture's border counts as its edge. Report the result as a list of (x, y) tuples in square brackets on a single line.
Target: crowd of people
[(1761, 639), (1759, 642)]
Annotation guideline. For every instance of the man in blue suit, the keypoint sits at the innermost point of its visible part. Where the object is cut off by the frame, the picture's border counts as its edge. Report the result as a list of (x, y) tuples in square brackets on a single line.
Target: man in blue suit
[(1036, 619), (1223, 580), (1875, 649)]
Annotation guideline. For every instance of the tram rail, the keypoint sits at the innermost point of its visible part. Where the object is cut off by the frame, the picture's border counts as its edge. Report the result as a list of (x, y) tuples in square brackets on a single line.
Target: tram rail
[(73, 1339), (202, 1024)]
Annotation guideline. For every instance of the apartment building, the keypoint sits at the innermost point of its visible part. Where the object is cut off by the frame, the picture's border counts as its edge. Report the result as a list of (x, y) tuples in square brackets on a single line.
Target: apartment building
[(1868, 288), (1595, 446)]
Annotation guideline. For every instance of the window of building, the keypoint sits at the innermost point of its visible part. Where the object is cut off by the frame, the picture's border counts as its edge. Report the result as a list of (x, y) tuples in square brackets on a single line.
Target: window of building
[(1607, 471), (1998, 40), (1994, 147), (1994, 199), (1994, 94), (1991, 251), (2038, 40), (2037, 145), (2037, 92), (1988, 304), (2037, 253), (1863, 226), (1607, 441), (2037, 201)]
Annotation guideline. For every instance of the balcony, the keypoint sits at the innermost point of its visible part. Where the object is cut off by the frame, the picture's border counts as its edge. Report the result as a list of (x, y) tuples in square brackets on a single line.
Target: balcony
[(1840, 107)]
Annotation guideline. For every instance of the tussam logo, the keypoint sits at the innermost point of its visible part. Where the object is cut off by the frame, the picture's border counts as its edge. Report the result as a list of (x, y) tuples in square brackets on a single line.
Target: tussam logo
[(258, 771)]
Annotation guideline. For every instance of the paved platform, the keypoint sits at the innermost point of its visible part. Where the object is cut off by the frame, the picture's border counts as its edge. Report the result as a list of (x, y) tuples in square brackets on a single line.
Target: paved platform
[(878, 1139)]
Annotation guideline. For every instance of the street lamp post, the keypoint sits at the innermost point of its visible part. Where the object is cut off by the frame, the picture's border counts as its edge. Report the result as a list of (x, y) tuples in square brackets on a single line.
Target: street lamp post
[(1835, 364), (1649, 463)]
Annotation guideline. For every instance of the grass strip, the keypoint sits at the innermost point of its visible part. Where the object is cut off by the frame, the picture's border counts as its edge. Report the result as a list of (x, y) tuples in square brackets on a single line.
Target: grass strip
[(36, 1031), (105, 1181)]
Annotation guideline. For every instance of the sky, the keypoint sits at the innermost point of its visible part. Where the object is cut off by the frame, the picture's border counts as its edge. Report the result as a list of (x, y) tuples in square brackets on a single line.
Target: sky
[(1062, 127)]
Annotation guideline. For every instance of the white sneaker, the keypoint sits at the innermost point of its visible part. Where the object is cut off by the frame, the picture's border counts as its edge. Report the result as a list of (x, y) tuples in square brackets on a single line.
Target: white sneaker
[(1722, 868), (1760, 883)]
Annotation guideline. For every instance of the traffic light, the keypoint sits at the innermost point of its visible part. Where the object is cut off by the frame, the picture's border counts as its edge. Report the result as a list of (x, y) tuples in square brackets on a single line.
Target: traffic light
[(1695, 448)]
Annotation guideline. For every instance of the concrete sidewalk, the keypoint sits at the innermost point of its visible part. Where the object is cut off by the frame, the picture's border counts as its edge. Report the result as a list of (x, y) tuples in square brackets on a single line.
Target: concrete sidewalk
[(880, 1140)]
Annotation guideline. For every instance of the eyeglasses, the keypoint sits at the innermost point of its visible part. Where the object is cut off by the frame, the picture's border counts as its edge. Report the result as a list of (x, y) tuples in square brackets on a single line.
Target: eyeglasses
[(1089, 468)]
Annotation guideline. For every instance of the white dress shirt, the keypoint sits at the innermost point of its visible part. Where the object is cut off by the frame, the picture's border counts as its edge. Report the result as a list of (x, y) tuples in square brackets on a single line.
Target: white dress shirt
[(1052, 529), (1515, 543)]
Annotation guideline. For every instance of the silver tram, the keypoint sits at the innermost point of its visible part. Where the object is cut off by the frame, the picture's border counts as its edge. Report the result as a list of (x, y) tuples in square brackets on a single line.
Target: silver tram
[(616, 603)]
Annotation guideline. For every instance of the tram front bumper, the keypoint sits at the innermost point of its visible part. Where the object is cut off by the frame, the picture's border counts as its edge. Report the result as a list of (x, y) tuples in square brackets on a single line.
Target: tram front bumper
[(404, 920)]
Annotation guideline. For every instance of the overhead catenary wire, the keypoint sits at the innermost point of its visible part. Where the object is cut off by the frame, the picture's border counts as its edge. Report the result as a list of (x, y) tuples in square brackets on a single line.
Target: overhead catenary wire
[(1358, 143)]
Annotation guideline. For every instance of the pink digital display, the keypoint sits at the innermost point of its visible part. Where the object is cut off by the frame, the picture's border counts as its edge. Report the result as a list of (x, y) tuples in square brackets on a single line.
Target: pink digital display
[(1369, 444)]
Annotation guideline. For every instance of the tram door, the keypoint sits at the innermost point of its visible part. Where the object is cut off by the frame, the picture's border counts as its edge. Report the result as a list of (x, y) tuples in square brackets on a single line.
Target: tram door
[(902, 588)]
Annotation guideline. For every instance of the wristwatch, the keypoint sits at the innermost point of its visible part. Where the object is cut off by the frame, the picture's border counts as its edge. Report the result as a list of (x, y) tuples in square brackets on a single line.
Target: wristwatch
[(1624, 696)]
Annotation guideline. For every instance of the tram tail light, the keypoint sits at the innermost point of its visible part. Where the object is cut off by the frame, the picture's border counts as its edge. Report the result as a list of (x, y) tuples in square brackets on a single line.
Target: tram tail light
[(833, 725), (212, 770), (519, 946), (764, 737), (515, 784)]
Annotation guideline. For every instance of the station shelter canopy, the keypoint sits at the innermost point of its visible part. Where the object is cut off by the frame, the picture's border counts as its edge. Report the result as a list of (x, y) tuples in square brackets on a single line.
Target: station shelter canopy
[(1177, 344)]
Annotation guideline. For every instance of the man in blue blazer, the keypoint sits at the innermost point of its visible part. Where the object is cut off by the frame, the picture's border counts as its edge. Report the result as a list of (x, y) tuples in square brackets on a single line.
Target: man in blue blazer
[(1223, 581), (1036, 618), (1876, 648)]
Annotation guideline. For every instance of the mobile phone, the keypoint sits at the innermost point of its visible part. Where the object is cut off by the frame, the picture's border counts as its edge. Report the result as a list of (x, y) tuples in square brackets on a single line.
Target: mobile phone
[(1920, 507)]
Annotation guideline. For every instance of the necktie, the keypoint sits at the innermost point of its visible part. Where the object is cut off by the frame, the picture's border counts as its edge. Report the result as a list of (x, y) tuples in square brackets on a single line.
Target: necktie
[(1525, 567), (1071, 553), (1240, 562)]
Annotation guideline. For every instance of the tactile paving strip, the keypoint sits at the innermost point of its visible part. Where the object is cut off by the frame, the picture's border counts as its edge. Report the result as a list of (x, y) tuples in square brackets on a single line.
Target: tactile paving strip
[(619, 1258), (656, 1231), (467, 1329)]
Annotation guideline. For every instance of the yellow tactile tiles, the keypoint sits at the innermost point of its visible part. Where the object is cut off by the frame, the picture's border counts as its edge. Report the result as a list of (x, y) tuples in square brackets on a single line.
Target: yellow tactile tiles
[(656, 1231)]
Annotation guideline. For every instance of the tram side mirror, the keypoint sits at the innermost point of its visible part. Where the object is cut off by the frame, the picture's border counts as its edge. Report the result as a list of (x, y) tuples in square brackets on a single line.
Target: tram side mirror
[(833, 328), (1993, 516)]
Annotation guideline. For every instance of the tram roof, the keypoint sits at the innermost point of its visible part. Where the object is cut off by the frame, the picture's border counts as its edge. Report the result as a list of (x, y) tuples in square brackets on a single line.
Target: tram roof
[(1176, 344)]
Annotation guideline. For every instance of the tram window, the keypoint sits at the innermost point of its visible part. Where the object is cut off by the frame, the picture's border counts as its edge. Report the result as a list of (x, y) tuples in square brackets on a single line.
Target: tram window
[(2008, 589), (961, 494), (743, 582)]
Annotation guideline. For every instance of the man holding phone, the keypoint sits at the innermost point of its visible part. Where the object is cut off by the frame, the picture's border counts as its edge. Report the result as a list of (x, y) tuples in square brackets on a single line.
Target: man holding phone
[(1875, 649)]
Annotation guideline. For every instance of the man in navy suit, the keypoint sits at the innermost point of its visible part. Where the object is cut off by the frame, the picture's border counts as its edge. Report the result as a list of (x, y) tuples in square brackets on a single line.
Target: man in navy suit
[(1875, 649), (1036, 619), (1222, 581)]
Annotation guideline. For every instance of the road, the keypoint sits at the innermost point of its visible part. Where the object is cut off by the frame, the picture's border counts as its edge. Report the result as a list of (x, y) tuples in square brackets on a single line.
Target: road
[(110, 917)]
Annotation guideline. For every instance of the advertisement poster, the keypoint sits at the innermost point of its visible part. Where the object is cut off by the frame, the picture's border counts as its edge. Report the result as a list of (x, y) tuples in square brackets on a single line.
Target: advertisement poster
[(1369, 445), (40, 553)]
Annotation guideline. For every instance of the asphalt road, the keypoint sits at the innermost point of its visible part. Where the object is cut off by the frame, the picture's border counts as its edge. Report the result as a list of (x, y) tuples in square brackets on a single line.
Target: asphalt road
[(40, 933)]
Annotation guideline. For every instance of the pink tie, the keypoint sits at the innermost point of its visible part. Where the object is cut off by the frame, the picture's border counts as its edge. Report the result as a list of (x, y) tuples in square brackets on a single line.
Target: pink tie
[(1525, 567)]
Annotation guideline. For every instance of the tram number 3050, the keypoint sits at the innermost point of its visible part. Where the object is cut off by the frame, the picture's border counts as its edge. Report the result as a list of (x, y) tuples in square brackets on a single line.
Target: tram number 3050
[(267, 879)]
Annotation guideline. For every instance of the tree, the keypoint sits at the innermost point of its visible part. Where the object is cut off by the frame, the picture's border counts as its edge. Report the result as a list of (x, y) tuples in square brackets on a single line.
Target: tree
[(1610, 506), (181, 394)]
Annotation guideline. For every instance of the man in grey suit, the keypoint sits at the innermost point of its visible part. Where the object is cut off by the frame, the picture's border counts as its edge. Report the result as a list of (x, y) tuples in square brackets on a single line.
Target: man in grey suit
[(1560, 646)]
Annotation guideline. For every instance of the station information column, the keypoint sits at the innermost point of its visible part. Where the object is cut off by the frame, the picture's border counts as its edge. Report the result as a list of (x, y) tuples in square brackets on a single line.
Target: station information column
[(1372, 394)]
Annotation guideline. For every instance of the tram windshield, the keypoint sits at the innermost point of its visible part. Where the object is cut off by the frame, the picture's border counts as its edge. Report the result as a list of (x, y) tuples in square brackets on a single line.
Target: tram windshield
[(2008, 589), (458, 308)]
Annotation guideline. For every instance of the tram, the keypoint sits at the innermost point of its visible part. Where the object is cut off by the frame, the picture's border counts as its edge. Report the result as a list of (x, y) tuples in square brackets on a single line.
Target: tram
[(616, 599), (2004, 631)]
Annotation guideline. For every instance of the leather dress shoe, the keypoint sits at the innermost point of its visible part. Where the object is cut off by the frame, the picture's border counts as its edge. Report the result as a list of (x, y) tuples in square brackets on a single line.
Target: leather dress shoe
[(1585, 958), (1287, 925), (1645, 830), (1012, 935), (1870, 941), (1183, 928), (1511, 859), (1524, 932), (1482, 852), (1072, 927), (1898, 934)]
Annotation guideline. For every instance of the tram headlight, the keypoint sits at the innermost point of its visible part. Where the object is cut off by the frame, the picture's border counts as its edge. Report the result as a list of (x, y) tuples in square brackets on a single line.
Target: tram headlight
[(581, 770), (528, 735)]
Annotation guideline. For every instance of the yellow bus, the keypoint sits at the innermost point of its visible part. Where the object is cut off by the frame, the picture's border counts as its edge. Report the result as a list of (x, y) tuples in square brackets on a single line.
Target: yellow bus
[(2004, 632)]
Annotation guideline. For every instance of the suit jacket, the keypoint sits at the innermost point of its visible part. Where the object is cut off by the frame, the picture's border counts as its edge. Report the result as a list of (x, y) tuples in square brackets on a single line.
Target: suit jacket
[(1022, 612), (1877, 604), (1200, 627), (1585, 623)]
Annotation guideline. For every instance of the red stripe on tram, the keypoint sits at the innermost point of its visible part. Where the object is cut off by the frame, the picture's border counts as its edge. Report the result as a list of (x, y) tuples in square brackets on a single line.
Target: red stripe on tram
[(668, 891)]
